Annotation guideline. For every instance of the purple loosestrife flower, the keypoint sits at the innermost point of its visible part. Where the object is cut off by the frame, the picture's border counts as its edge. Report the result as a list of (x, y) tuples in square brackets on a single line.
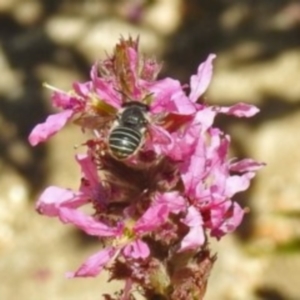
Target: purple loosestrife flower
[(155, 206)]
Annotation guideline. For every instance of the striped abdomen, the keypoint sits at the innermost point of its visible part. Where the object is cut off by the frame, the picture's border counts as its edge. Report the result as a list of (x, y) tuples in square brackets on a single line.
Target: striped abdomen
[(124, 141)]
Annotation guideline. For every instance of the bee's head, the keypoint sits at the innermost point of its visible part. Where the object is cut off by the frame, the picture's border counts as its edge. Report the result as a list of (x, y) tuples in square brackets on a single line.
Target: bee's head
[(133, 115)]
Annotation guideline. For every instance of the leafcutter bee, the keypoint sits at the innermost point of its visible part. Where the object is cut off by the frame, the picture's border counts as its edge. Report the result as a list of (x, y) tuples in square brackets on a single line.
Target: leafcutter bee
[(127, 133), (124, 130)]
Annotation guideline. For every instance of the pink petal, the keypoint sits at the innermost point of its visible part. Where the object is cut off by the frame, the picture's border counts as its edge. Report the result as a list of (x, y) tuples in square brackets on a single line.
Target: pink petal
[(94, 264), (192, 170), (179, 151), (219, 146), (105, 90), (183, 104), (63, 100), (205, 116), (173, 200), (169, 97), (153, 218), (200, 82), (162, 90), (88, 168), (159, 135), (91, 186), (195, 238), (83, 89), (246, 165), (193, 217), (231, 217), (150, 69), (196, 235), (133, 59), (88, 224), (185, 142), (173, 145), (52, 125), (51, 200), (236, 184), (239, 110), (137, 249), (217, 213), (235, 220), (160, 141)]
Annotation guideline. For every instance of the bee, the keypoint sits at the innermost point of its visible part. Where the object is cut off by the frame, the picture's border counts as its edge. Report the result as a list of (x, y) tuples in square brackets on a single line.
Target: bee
[(124, 131), (127, 133)]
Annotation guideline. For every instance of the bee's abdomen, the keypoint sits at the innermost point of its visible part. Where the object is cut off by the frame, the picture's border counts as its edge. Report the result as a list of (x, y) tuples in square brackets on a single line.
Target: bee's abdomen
[(124, 141)]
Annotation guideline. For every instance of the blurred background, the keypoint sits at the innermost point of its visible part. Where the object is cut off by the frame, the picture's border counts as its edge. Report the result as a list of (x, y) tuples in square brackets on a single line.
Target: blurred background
[(56, 41)]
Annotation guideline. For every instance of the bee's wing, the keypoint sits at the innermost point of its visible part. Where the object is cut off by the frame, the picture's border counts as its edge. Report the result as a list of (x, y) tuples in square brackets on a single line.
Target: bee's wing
[(93, 121), (159, 135)]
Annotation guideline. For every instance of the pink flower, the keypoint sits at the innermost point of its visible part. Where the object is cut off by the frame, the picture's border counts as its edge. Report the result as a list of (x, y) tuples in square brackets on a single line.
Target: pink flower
[(54, 123), (65, 204), (128, 239), (53, 199), (210, 186), (56, 202), (153, 210), (201, 115), (62, 203)]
